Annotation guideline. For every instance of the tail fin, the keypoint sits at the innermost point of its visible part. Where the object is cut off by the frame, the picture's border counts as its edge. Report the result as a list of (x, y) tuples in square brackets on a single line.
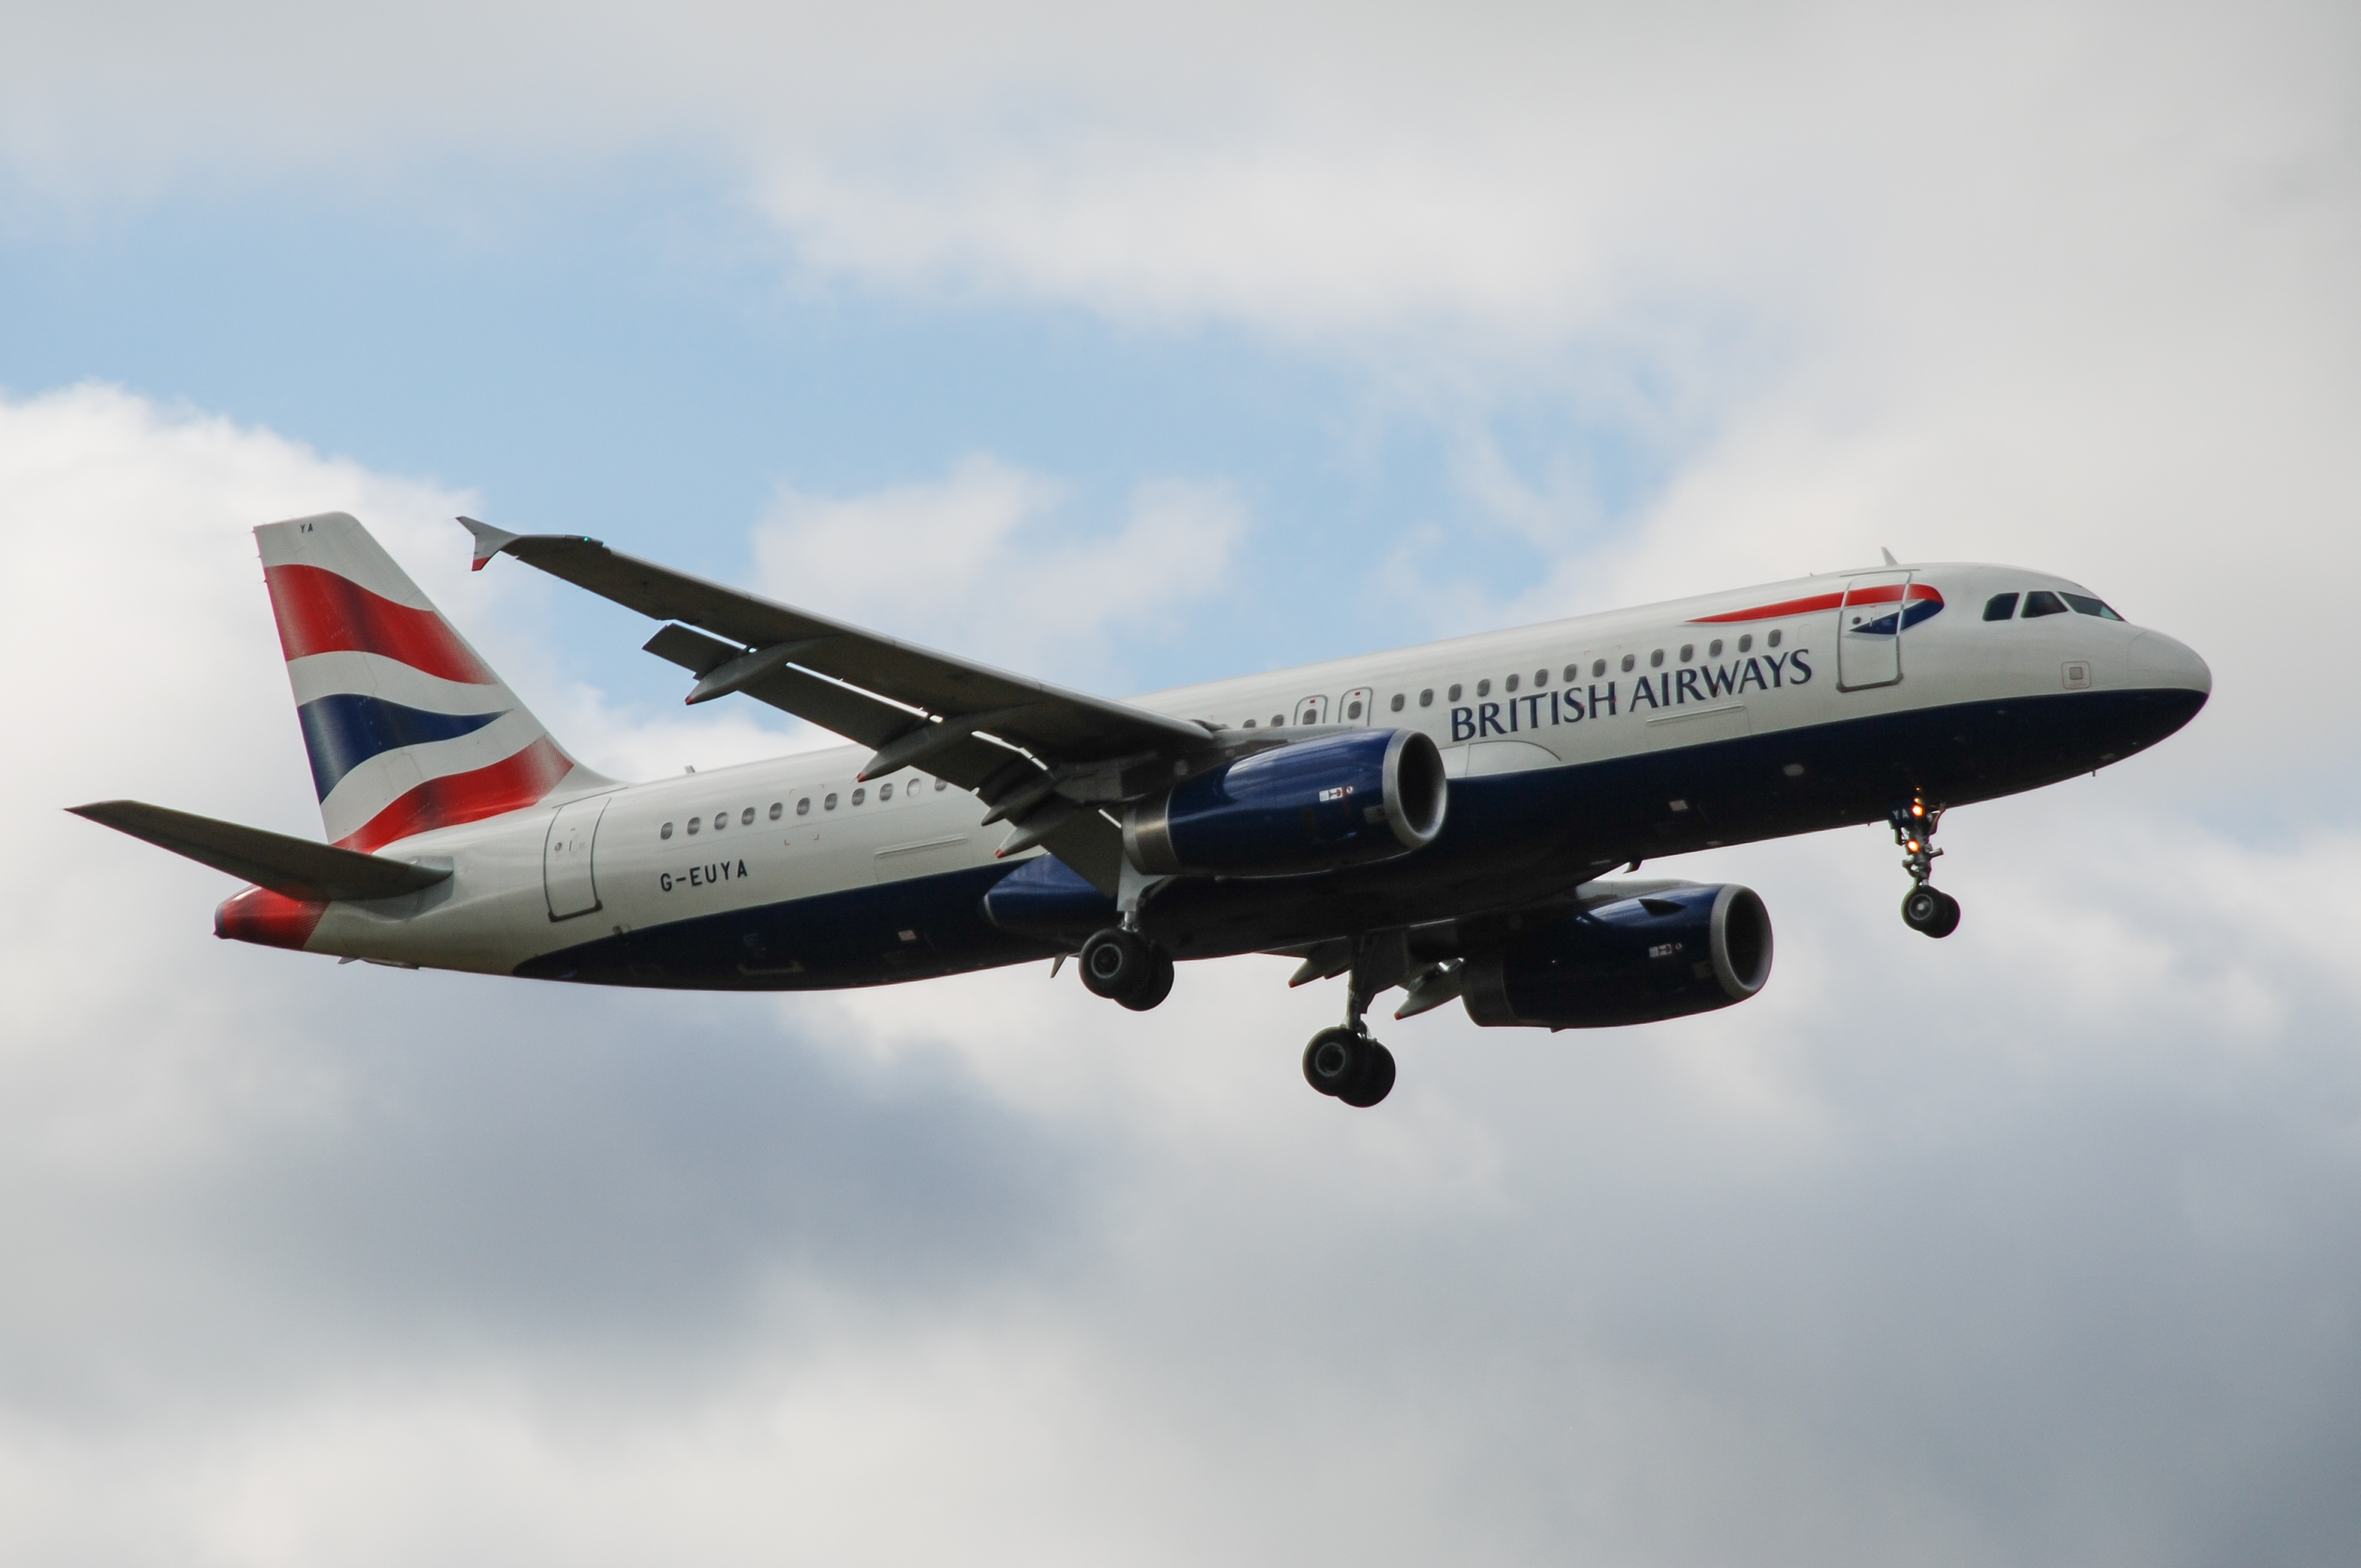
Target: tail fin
[(407, 729)]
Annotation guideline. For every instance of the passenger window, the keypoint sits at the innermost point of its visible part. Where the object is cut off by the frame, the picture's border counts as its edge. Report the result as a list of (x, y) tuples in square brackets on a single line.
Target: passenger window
[(941, 784), (1628, 660), (1774, 638), (778, 809), (1512, 683), (1249, 724), (1354, 711), (2041, 601), (1398, 702), (1541, 677), (1688, 651), (667, 831), (829, 803), (1484, 688), (1454, 694), (859, 795), (802, 807), (746, 817), (2085, 605), (1572, 672), (1427, 697), (1599, 666), (885, 792), (1999, 606), (1277, 720), (692, 824), (1655, 658), (1746, 643)]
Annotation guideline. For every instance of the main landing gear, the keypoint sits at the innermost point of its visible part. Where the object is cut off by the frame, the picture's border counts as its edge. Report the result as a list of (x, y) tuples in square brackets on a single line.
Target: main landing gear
[(1348, 1065), (1343, 1062), (1124, 966), (1924, 909)]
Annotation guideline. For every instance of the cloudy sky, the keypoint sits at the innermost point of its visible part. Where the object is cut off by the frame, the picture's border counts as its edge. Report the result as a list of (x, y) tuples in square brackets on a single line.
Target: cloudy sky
[(1138, 346)]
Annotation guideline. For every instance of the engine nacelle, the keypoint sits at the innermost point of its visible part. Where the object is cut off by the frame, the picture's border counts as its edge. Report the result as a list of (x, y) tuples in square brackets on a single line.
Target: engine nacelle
[(1310, 806), (1663, 955)]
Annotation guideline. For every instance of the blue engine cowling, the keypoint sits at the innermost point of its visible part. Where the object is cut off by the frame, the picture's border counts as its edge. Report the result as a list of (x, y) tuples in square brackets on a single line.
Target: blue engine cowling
[(1663, 955), (1309, 805)]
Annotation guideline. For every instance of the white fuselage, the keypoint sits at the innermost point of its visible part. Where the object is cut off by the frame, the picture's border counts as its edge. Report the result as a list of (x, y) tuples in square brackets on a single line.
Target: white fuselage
[(1566, 694)]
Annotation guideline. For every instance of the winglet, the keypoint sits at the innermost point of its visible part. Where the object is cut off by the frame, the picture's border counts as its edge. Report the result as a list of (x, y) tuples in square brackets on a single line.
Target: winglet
[(489, 541), (1881, 550)]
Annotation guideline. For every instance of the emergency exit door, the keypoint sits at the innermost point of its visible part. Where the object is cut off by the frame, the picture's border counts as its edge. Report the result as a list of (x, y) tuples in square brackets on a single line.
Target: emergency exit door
[(567, 870)]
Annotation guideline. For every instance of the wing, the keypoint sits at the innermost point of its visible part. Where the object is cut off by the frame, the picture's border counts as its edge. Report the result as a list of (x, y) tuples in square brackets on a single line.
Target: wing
[(1040, 756)]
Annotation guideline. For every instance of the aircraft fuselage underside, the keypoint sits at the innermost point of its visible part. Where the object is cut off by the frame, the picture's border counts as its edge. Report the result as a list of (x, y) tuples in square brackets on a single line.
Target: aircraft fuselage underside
[(1512, 838)]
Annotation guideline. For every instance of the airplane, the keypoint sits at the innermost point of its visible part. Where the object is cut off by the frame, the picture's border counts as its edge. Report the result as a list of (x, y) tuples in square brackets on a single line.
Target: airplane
[(1441, 818)]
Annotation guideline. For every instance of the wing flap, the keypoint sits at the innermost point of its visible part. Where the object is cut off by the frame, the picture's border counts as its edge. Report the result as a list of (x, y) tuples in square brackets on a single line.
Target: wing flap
[(299, 868)]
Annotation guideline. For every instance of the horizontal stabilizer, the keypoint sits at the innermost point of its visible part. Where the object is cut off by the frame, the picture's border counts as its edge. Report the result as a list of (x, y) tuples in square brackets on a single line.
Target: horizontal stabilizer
[(299, 868)]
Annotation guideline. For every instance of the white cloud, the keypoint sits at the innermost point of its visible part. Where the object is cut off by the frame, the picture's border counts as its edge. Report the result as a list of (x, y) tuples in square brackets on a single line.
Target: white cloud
[(975, 565), (1518, 171)]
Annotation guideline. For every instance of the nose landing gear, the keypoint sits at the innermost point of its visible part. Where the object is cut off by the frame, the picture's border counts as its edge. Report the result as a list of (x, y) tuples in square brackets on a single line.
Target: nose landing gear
[(1924, 909)]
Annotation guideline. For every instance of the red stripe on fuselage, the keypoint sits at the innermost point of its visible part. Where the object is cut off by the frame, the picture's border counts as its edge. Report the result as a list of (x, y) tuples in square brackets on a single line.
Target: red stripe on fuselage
[(272, 919), (1884, 595), (509, 784), (319, 612)]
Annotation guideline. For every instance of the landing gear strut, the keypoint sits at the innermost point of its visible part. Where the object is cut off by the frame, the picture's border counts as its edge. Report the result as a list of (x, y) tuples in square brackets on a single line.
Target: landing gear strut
[(1124, 966), (1345, 1062), (1924, 909)]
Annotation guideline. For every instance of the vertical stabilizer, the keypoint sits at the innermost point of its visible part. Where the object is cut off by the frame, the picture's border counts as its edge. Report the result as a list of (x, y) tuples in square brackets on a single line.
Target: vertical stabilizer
[(407, 729)]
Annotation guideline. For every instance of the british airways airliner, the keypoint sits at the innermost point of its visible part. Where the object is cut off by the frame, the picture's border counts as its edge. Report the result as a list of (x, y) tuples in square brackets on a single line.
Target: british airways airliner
[(1441, 818)]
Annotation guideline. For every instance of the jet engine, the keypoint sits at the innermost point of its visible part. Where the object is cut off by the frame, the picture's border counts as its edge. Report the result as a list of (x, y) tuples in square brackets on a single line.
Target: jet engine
[(1311, 805), (1663, 955)]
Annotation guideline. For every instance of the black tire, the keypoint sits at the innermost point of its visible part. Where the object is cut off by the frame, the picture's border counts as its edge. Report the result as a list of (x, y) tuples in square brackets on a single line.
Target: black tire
[(1348, 1066), (1156, 983), (1116, 964), (1376, 1080), (1930, 912), (1330, 1060)]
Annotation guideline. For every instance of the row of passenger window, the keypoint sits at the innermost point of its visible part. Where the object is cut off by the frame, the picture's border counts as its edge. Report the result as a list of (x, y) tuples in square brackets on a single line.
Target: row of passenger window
[(720, 819), (2041, 602), (1573, 672)]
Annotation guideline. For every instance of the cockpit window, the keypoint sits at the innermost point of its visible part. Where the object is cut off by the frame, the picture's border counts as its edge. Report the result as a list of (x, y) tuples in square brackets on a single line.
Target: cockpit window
[(2041, 601), (2085, 605), (1999, 606)]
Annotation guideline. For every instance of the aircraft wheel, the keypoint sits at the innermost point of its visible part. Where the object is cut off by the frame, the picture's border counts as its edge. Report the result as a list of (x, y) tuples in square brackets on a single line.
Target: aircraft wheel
[(1376, 1080), (1349, 1065), (1930, 912), (1117, 963), (1156, 985)]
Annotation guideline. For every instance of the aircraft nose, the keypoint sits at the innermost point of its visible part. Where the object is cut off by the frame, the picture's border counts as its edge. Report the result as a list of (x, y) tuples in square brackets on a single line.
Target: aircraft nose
[(2160, 660)]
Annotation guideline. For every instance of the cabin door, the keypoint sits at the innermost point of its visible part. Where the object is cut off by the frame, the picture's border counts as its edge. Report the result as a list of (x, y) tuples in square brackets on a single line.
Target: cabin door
[(565, 873), (1869, 631)]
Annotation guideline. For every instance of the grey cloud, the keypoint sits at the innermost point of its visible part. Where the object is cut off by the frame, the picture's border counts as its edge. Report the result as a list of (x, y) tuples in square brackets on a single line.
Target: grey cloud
[(523, 1172)]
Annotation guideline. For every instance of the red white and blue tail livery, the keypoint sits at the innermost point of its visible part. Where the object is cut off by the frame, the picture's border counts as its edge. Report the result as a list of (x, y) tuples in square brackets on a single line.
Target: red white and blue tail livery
[(1438, 819), (407, 728)]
